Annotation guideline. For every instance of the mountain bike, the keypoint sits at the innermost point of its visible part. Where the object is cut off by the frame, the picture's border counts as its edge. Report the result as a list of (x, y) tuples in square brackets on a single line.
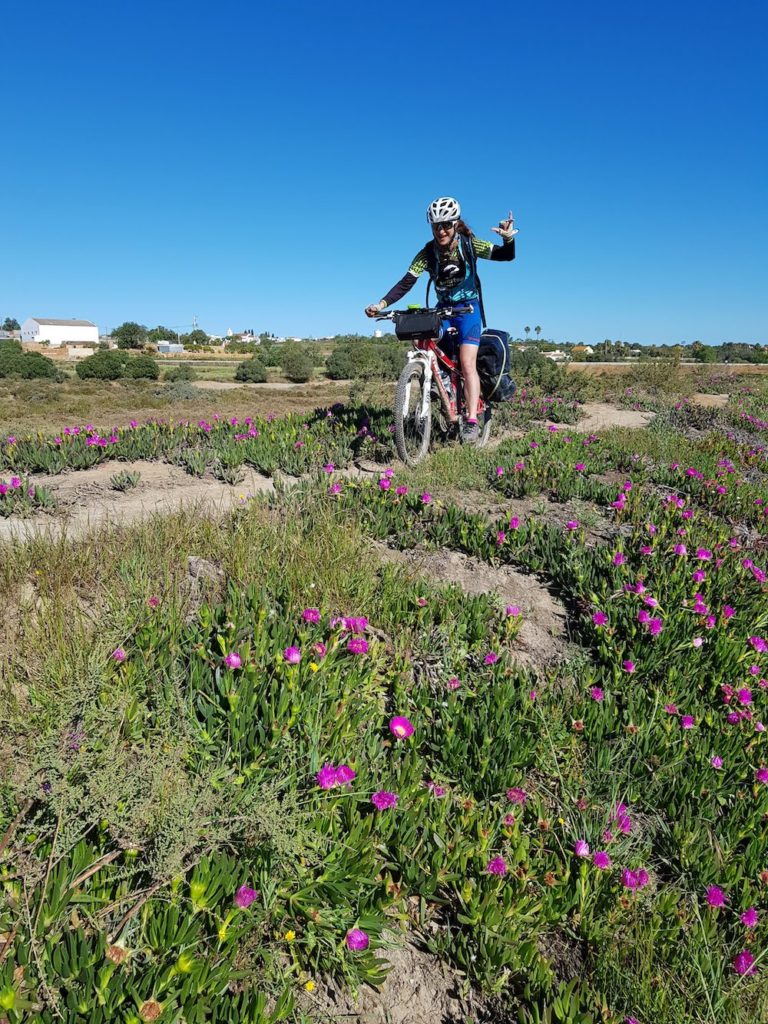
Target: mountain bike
[(429, 399)]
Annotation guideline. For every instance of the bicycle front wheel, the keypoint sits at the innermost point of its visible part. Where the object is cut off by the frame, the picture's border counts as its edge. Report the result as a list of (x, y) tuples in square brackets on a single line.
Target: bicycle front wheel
[(413, 422)]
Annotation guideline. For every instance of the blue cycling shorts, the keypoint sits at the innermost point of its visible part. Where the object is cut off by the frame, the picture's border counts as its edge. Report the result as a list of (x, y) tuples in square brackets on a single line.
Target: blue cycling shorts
[(469, 326)]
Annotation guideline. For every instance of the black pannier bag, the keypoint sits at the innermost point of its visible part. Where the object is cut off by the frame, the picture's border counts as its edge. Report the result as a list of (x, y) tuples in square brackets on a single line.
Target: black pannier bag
[(493, 364), (417, 325)]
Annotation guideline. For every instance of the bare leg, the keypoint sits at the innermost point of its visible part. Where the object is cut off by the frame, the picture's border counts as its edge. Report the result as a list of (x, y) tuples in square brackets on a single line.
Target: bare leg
[(468, 359)]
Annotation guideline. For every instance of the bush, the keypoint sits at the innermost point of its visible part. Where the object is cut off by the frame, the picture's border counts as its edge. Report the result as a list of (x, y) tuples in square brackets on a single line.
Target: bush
[(184, 372), (251, 371), (365, 360), (535, 368), (16, 363), (103, 366), (142, 368), (297, 364)]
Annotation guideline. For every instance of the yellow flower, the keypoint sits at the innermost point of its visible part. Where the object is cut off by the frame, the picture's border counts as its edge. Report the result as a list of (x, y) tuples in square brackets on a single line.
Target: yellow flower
[(314, 666), (309, 986), (290, 936), (561, 820)]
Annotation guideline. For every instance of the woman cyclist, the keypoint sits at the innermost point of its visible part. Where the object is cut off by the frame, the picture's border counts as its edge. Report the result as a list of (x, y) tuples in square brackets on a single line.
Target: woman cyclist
[(455, 284)]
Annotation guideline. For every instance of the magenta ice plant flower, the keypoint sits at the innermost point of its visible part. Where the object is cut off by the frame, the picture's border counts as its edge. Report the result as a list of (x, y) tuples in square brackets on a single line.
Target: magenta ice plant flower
[(491, 658), (761, 775), (292, 655), (687, 721), (628, 666), (311, 615), (581, 848), (634, 879), (384, 799), (600, 618), (119, 654), (516, 795), (357, 940), (497, 866), (357, 645), (596, 694), (426, 498), (715, 896), (716, 761), (401, 727), (326, 777), (744, 962), (245, 896), (233, 660), (512, 611), (601, 860), (749, 918)]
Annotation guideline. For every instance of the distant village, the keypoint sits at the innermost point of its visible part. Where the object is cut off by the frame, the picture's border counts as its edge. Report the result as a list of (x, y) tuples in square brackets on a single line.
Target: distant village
[(75, 339)]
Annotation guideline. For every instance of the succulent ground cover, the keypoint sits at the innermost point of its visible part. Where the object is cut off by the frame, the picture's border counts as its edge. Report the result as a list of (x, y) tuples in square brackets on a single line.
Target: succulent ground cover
[(217, 796)]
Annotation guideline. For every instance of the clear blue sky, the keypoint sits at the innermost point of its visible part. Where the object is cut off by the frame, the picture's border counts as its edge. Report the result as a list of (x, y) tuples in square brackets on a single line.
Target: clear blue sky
[(269, 166)]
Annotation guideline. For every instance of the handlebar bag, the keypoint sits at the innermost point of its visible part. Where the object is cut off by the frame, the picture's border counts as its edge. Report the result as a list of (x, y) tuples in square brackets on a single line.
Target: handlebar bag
[(418, 325)]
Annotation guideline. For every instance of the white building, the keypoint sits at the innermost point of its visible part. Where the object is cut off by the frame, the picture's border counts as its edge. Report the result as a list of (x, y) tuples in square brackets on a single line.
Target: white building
[(59, 332)]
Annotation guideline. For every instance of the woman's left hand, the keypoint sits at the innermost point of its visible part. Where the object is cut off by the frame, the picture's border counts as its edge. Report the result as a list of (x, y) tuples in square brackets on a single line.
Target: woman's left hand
[(506, 228)]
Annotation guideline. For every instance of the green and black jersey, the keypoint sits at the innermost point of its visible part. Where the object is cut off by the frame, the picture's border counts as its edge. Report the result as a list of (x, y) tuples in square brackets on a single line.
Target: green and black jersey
[(450, 272)]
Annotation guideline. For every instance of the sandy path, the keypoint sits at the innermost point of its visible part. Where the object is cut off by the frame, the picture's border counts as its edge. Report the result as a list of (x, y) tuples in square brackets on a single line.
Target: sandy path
[(86, 500), (228, 385), (599, 416)]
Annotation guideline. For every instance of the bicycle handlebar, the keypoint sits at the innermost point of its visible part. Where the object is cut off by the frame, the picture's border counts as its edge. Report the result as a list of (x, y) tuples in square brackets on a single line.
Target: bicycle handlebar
[(443, 311)]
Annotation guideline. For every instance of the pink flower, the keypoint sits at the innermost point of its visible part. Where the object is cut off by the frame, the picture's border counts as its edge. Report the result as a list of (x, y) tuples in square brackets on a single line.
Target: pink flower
[(671, 709), (344, 775), (491, 658), (687, 721), (326, 777), (245, 896), (497, 866), (292, 655), (716, 761), (401, 490), (512, 611), (426, 498), (743, 963), (618, 558), (436, 790), (599, 618), (581, 848), (384, 799), (759, 644), (596, 694), (233, 660), (401, 727), (634, 879), (119, 654), (357, 940), (680, 549), (514, 523), (311, 615), (761, 775), (715, 896), (153, 602), (744, 695), (517, 795), (320, 649), (499, 471), (655, 626), (385, 483), (356, 645), (453, 683), (628, 666), (335, 488), (328, 467), (697, 641), (500, 537), (601, 860), (572, 524), (749, 918)]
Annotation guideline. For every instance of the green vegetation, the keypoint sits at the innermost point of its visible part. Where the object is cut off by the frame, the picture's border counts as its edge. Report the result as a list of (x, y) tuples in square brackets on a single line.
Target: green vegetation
[(27, 365)]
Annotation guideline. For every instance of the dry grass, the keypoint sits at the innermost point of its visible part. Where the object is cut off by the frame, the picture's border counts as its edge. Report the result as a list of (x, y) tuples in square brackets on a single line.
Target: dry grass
[(29, 407)]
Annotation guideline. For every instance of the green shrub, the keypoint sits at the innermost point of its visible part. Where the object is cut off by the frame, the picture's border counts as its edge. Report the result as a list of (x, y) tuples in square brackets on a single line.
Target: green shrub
[(251, 371), (297, 364), (16, 363), (142, 367), (362, 359), (535, 368), (184, 372), (102, 366)]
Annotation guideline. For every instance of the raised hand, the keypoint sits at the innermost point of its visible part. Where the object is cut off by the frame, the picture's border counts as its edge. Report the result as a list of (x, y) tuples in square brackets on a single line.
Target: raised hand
[(506, 228)]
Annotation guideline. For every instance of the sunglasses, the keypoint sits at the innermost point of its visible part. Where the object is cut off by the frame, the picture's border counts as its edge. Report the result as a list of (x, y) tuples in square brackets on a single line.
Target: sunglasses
[(444, 225)]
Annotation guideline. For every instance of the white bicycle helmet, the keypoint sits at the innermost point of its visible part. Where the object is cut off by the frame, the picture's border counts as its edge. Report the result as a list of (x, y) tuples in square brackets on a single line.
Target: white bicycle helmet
[(442, 210)]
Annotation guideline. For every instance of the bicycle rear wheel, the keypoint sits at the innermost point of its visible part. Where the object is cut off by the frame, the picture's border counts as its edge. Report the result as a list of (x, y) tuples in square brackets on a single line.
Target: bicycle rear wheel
[(412, 429)]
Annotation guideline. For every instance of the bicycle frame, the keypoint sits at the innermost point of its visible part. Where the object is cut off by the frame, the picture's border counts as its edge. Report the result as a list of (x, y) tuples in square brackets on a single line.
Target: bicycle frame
[(432, 356)]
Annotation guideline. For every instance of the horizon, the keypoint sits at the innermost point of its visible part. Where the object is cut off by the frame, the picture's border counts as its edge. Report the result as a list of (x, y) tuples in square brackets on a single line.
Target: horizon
[(282, 187)]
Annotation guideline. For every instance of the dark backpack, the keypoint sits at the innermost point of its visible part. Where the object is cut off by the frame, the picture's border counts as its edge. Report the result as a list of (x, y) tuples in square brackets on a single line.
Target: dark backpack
[(493, 367)]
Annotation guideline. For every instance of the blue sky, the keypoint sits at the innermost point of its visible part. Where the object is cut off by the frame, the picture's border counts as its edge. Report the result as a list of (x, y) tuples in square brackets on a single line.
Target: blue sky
[(269, 166)]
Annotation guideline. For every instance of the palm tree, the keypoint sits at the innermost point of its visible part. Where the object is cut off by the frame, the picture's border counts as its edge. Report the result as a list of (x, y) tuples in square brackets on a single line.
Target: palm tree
[(527, 332), (537, 330)]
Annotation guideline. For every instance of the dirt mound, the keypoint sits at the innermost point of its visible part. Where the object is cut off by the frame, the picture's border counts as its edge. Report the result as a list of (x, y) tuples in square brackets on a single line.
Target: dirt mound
[(86, 499), (597, 416), (542, 638), (419, 990)]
